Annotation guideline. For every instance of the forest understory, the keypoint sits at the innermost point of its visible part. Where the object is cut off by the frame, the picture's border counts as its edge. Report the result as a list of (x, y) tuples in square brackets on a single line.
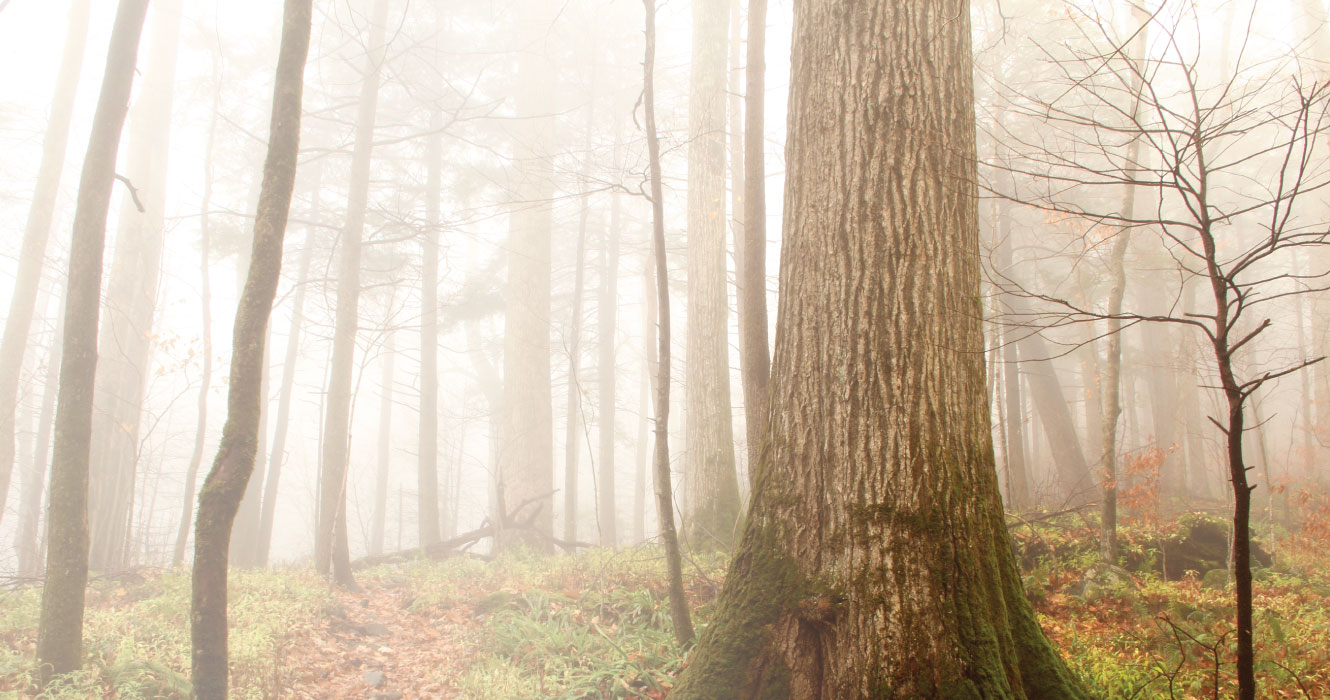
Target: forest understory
[(597, 625)]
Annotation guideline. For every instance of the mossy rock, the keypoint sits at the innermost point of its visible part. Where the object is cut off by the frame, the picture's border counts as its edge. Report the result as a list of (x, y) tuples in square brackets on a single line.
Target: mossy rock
[(1106, 581), (1216, 579), (1201, 544)]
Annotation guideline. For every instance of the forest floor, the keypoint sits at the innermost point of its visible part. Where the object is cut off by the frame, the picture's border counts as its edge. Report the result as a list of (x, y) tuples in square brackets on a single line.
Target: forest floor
[(596, 625)]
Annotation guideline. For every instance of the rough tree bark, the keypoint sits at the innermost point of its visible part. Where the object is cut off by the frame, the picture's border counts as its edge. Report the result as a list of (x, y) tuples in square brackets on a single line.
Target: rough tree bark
[(679, 613), (131, 299), (332, 556), (36, 234), (60, 628), (225, 486), (875, 561)]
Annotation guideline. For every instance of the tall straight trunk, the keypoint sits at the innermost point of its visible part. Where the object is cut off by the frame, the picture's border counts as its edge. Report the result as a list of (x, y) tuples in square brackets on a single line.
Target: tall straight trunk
[(754, 353), (735, 142), (1017, 464), (205, 303), (32, 253), (225, 486), (1091, 394), (713, 485), (526, 462), (606, 323), (283, 419), (649, 371), (60, 628), (1108, 464), (332, 556), (679, 613), (131, 298), (572, 439), (380, 515), (28, 542), (427, 465), (875, 561)]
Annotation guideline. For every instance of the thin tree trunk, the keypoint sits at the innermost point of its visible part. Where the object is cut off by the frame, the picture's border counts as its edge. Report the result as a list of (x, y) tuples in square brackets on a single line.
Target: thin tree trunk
[(380, 515), (205, 302), (29, 543), (60, 628), (572, 440), (131, 299), (283, 419), (753, 347), (679, 613), (427, 466), (36, 234), (1017, 468), (225, 486), (606, 323), (331, 547)]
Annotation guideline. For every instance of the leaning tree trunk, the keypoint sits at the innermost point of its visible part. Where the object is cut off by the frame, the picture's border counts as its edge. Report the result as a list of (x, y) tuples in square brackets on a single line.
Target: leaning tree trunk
[(131, 299), (679, 613), (60, 629), (875, 561), (225, 486), (332, 555), (713, 485), (36, 234)]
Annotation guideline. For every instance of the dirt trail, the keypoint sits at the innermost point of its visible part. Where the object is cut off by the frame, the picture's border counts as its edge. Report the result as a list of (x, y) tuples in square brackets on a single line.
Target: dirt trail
[(373, 645)]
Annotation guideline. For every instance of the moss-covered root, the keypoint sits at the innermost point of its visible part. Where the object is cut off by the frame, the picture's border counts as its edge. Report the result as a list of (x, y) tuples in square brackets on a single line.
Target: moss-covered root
[(734, 657)]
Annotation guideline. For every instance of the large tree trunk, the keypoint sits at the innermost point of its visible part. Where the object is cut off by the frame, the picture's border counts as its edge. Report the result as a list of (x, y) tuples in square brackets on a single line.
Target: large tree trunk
[(225, 486), (283, 419), (875, 561), (332, 555), (526, 462), (713, 485), (679, 613), (427, 466), (755, 356), (36, 234), (60, 629), (606, 370), (131, 299), (205, 303)]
